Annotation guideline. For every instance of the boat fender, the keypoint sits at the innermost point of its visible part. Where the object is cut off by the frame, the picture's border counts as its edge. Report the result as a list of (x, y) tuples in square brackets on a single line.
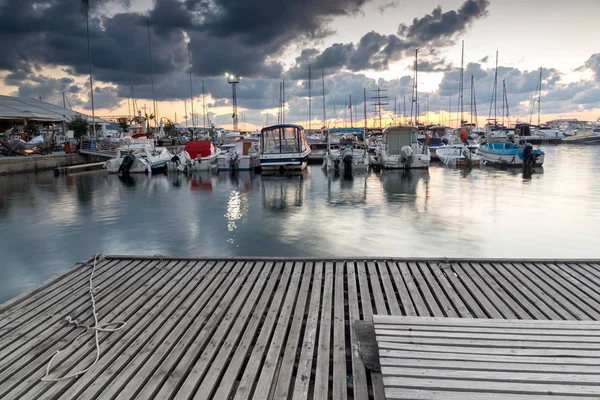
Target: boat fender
[(464, 135), (406, 156)]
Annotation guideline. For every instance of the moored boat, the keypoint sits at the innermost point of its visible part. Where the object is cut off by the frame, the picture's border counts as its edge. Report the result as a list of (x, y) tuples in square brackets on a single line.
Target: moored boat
[(283, 147), (400, 149), (240, 156), (198, 155), (139, 156), (458, 157), (511, 155), (346, 150)]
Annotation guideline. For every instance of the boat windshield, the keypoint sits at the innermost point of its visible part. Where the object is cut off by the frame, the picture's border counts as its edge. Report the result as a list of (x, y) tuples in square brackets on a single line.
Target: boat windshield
[(282, 140)]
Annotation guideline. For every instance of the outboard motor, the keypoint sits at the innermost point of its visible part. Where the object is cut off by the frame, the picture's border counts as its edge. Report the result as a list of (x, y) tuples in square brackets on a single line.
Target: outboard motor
[(466, 153), (336, 164), (233, 160), (529, 158), (126, 164), (406, 156), (347, 160)]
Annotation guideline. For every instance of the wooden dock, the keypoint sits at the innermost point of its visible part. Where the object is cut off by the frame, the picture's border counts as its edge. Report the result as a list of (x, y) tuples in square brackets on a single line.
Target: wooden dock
[(257, 328)]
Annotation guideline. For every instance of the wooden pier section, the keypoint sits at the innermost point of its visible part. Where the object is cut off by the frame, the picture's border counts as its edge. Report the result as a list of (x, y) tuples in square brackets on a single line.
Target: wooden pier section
[(265, 328)]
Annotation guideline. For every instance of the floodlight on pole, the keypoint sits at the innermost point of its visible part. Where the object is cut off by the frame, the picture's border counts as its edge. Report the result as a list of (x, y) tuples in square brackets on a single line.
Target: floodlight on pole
[(233, 80)]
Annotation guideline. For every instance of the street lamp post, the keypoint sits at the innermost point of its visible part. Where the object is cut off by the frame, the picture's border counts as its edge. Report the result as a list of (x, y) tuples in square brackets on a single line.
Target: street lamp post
[(233, 80)]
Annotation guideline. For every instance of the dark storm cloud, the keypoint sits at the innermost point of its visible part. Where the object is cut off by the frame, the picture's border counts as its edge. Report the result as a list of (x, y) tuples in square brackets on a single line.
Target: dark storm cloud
[(440, 26), (592, 64), (375, 51)]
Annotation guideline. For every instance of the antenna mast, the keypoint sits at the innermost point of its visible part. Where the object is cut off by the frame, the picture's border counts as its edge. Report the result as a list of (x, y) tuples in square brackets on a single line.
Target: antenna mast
[(309, 100), (377, 103), (323, 84)]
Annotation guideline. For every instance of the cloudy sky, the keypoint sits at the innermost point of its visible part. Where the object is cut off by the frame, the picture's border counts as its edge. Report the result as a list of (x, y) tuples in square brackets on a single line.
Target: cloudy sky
[(356, 44)]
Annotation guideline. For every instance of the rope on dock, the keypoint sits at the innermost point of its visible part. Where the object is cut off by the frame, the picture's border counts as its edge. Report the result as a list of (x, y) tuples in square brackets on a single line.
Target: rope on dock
[(96, 328)]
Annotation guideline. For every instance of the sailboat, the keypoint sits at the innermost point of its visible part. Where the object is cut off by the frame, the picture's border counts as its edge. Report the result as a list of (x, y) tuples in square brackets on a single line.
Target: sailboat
[(542, 131), (494, 131)]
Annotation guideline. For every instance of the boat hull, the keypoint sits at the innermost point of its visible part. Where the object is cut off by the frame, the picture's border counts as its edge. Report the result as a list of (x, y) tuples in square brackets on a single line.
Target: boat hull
[(454, 157), (508, 160), (285, 162), (243, 163), (420, 161)]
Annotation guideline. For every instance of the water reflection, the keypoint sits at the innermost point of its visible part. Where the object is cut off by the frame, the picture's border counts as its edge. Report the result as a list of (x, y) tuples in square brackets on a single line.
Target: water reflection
[(484, 212), (283, 192)]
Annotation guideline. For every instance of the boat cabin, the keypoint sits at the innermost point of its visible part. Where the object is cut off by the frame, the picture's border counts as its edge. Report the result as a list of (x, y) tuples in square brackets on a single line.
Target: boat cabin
[(283, 139), (396, 137)]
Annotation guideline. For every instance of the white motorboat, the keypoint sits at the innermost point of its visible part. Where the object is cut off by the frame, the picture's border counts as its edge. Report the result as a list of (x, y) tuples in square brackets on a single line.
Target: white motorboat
[(458, 157), (283, 147), (198, 155), (346, 150), (400, 149), (139, 156), (239, 156)]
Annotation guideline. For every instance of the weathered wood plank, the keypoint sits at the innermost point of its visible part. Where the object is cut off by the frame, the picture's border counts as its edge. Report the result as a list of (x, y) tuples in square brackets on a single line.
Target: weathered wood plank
[(390, 295), (473, 283), (430, 300), (240, 329), (377, 293), (324, 344), (412, 394), (405, 300), (227, 383), (532, 336), (307, 351), (286, 364), (440, 296), (469, 322), (451, 293), (268, 372), (339, 335), (359, 375)]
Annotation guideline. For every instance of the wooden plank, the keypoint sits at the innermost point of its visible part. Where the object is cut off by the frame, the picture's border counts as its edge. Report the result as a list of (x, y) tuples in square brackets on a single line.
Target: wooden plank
[(571, 294), (167, 341), (286, 364), (501, 376), (267, 374), (213, 369), (51, 301), (365, 294), (390, 295), (461, 357), (377, 293), (182, 288), (324, 349), (489, 366), (545, 303), (579, 273), (143, 306), (81, 350), (501, 344), (467, 330), (430, 300), (359, 375), (28, 350), (440, 297), (339, 336), (487, 350), (473, 283), (405, 300), (411, 394), (228, 382), (451, 293), (534, 336), (539, 389), (420, 306), (503, 295), (469, 322), (307, 352), (178, 369)]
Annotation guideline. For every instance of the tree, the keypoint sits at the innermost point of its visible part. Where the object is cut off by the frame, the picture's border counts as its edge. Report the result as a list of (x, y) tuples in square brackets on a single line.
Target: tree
[(79, 126), (170, 130)]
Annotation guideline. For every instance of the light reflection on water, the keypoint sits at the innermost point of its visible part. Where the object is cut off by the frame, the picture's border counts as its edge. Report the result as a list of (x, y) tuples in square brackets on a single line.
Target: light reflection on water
[(47, 224)]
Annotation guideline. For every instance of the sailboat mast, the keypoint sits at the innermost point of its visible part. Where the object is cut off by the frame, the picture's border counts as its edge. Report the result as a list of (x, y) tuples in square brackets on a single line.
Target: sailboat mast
[(86, 4), (152, 75), (365, 111), (323, 86), (203, 107), (404, 114), (351, 120), (334, 115), (309, 100), (462, 86), (496, 88), (540, 97), (191, 89), (283, 100), (503, 96), (474, 100), (413, 105), (417, 83)]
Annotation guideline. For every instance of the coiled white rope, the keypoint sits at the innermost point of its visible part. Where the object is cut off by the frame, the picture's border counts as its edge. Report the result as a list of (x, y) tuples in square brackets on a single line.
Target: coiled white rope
[(96, 328)]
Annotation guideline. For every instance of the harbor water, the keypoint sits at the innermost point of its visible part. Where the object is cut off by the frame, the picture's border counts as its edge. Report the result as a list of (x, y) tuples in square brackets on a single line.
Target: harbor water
[(48, 223)]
